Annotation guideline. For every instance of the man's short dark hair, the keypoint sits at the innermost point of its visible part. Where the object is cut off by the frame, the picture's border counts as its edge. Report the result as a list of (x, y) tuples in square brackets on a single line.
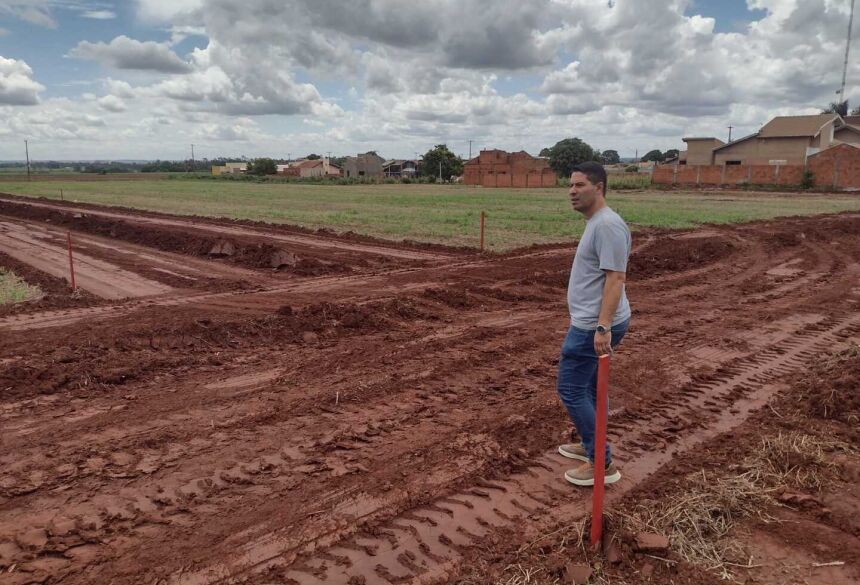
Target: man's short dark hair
[(594, 171)]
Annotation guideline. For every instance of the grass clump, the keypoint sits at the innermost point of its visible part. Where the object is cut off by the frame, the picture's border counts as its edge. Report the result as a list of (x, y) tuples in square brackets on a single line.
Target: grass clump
[(13, 289), (698, 521)]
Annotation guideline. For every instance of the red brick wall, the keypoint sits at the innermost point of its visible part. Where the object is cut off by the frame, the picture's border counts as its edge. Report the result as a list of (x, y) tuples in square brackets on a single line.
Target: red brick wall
[(663, 175), (686, 175), (548, 178), (762, 174), (790, 175), (735, 174), (836, 167), (710, 175), (497, 168)]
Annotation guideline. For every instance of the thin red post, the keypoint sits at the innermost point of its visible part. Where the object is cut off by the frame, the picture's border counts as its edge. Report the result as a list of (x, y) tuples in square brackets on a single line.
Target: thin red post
[(482, 231), (71, 262), (600, 417)]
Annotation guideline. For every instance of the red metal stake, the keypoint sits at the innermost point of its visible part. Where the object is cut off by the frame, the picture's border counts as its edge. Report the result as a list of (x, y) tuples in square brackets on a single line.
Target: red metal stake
[(482, 231), (600, 416), (71, 262)]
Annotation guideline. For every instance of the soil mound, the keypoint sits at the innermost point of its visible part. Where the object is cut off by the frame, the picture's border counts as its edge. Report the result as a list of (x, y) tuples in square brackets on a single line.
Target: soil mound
[(456, 298), (251, 255), (677, 254), (830, 391)]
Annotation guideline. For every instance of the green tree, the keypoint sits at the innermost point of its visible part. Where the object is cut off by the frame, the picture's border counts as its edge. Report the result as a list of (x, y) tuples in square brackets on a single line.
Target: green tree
[(840, 108), (313, 157), (653, 155), (451, 164), (671, 153), (262, 166), (610, 157), (544, 152), (568, 153)]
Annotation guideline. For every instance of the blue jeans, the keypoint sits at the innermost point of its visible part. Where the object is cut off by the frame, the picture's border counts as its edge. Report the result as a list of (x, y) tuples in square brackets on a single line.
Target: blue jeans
[(577, 381)]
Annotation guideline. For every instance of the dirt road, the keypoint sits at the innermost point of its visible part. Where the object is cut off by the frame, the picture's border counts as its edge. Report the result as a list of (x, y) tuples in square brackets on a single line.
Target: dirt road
[(372, 425), (46, 250)]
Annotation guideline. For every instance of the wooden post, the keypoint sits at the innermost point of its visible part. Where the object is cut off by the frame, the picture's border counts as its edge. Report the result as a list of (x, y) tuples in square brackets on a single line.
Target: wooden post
[(600, 417), (482, 231), (71, 262)]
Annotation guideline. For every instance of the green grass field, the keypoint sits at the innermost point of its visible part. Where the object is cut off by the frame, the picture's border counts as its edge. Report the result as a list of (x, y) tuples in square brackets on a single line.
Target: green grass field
[(448, 214), (15, 290)]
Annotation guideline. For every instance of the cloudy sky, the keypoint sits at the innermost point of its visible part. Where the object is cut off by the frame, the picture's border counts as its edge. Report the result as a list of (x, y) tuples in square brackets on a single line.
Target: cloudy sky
[(144, 79)]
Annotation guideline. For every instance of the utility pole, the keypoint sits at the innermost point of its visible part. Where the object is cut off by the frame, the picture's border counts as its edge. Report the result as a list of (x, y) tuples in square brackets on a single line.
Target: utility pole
[(841, 91), (730, 132), (636, 157), (27, 150), (440, 170), (470, 150), (192, 158)]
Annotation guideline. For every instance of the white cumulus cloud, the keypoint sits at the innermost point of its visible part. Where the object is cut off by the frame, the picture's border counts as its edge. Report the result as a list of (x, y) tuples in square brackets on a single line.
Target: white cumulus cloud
[(17, 86), (126, 53)]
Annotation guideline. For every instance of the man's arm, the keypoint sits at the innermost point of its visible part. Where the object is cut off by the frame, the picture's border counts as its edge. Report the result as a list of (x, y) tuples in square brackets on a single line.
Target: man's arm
[(612, 288)]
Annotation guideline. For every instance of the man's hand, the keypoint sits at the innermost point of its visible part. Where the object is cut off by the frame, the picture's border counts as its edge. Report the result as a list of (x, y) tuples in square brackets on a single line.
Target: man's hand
[(602, 343)]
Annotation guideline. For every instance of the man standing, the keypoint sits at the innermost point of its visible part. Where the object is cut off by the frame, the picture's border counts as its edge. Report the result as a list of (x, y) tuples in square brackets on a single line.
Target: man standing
[(599, 314)]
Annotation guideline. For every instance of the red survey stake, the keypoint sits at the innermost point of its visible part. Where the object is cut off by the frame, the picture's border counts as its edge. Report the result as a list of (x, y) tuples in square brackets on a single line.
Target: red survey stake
[(71, 262), (600, 417)]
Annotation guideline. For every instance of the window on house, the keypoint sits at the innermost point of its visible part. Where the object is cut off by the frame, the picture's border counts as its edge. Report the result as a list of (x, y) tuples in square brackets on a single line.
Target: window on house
[(360, 173), (732, 162)]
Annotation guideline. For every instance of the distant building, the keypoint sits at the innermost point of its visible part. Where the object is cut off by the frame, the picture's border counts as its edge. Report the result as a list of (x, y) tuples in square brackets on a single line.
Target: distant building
[(230, 168), (498, 168), (401, 168), (320, 167), (699, 150), (368, 164)]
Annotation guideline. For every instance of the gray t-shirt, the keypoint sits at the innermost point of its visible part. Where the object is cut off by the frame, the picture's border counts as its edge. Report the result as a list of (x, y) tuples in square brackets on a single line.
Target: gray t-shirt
[(605, 245)]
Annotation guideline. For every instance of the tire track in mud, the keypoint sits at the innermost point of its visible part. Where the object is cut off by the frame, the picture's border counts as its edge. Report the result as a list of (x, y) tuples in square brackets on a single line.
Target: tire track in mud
[(150, 502), (421, 542)]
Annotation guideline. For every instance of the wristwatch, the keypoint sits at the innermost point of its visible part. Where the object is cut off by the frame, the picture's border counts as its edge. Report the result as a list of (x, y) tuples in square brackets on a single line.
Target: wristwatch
[(602, 329)]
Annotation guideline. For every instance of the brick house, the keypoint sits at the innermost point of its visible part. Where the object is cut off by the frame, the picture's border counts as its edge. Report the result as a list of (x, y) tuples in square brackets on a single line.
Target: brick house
[(401, 168), (498, 168)]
